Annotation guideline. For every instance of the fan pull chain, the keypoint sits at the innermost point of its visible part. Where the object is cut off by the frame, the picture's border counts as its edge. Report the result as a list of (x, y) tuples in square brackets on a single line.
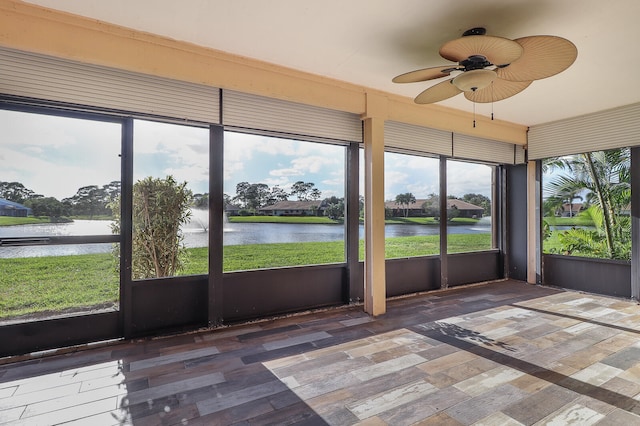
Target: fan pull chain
[(492, 101), (474, 115)]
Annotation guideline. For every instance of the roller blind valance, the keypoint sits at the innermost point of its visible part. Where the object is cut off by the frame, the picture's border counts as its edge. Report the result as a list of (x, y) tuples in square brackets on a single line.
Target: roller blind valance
[(613, 128), (417, 138), (414, 138), (474, 148), (32, 75), (260, 114)]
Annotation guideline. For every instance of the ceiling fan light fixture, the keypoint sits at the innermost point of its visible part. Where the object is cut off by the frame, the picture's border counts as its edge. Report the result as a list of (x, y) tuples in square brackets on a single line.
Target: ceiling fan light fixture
[(473, 80)]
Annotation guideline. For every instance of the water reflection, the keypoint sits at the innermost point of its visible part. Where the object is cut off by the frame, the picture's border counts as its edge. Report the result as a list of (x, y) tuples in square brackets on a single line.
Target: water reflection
[(196, 234)]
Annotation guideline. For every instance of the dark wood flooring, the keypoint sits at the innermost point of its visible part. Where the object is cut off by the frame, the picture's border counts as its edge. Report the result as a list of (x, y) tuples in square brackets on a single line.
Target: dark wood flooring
[(504, 353)]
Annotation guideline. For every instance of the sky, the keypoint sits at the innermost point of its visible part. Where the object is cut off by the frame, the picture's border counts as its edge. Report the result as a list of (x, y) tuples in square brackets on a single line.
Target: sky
[(55, 156)]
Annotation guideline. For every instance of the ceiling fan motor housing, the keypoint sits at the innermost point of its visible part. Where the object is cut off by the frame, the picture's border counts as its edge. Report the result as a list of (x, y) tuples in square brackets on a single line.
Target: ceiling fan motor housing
[(475, 62)]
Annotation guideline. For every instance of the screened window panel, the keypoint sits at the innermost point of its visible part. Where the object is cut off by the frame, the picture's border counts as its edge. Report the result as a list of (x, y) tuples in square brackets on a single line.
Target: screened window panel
[(44, 77)]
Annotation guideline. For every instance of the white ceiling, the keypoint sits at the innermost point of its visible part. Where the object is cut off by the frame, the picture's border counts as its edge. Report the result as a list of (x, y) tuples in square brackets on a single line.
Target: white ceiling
[(368, 42)]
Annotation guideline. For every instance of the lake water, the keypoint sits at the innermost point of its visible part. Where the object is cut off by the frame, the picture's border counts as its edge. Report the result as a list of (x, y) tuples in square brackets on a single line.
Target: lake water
[(196, 235)]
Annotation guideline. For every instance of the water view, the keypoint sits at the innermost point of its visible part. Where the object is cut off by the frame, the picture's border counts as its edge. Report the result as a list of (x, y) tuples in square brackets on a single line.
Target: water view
[(196, 234)]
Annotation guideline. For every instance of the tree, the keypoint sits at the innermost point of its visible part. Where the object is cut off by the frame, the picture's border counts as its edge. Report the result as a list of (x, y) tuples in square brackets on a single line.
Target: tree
[(305, 191), (452, 213), (201, 201), (16, 192), (480, 201), (405, 200), (252, 196), (607, 175), (334, 208), (277, 194), (160, 208), (431, 206), (89, 200), (47, 206), (112, 190)]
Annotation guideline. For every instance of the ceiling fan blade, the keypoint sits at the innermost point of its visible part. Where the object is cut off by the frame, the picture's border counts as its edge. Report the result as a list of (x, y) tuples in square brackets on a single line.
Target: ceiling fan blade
[(497, 50), (438, 92), (543, 57), (498, 90), (424, 74)]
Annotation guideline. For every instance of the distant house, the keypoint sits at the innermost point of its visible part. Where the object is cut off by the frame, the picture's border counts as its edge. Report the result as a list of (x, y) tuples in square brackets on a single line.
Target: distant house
[(571, 210), (465, 209), (294, 208), (416, 209), (231, 210), (12, 209)]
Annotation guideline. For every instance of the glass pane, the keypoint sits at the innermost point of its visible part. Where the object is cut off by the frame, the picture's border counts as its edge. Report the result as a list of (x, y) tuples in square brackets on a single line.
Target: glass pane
[(60, 178), (284, 202), (586, 205), (412, 226), (170, 200), (469, 190)]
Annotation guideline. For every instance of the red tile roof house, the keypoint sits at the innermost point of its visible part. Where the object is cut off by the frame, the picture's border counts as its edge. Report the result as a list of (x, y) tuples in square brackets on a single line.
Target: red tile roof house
[(295, 208), (570, 210), (416, 209)]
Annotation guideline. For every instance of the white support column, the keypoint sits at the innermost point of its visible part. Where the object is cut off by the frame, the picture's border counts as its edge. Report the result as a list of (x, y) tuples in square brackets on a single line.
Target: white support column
[(374, 261)]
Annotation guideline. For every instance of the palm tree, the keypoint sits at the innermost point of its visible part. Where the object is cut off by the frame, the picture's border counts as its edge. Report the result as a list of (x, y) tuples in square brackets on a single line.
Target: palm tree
[(405, 200), (606, 175)]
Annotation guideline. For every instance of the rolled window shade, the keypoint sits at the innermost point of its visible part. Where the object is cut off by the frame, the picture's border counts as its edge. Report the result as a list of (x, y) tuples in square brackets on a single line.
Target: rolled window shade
[(31, 75), (474, 148), (409, 137), (259, 114), (609, 129)]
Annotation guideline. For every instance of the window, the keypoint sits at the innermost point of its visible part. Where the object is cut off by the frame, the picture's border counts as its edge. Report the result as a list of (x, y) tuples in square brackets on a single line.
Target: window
[(586, 205), (469, 206), (171, 200), (284, 202), (61, 176), (412, 226)]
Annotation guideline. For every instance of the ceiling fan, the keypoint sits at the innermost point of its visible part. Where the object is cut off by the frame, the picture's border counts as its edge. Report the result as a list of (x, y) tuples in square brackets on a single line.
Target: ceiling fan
[(492, 68)]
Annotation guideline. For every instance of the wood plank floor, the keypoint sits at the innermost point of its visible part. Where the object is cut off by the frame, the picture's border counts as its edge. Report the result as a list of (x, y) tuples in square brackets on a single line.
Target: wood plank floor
[(497, 354)]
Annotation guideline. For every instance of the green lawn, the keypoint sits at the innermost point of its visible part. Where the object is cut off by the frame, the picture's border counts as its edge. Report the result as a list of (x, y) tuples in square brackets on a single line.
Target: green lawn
[(54, 284), (37, 284), (10, 221), (579, 220)]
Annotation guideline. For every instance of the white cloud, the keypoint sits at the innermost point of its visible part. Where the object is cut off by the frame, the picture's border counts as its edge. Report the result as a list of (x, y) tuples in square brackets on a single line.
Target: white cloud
[(282, 182), (464, 178), (286, 172)]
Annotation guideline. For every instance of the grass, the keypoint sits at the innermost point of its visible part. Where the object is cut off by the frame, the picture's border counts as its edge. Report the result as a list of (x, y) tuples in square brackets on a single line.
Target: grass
[(579, 220), (552, 244), (38, 284), (55, 284), (11, 221)]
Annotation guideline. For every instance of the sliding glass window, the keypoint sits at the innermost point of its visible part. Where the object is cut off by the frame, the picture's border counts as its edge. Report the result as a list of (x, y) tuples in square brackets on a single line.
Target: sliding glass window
[(59, 188), (284, 202)]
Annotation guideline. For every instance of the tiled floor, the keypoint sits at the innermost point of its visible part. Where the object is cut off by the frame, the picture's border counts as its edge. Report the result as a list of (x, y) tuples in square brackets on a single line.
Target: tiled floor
[(497, 354)]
